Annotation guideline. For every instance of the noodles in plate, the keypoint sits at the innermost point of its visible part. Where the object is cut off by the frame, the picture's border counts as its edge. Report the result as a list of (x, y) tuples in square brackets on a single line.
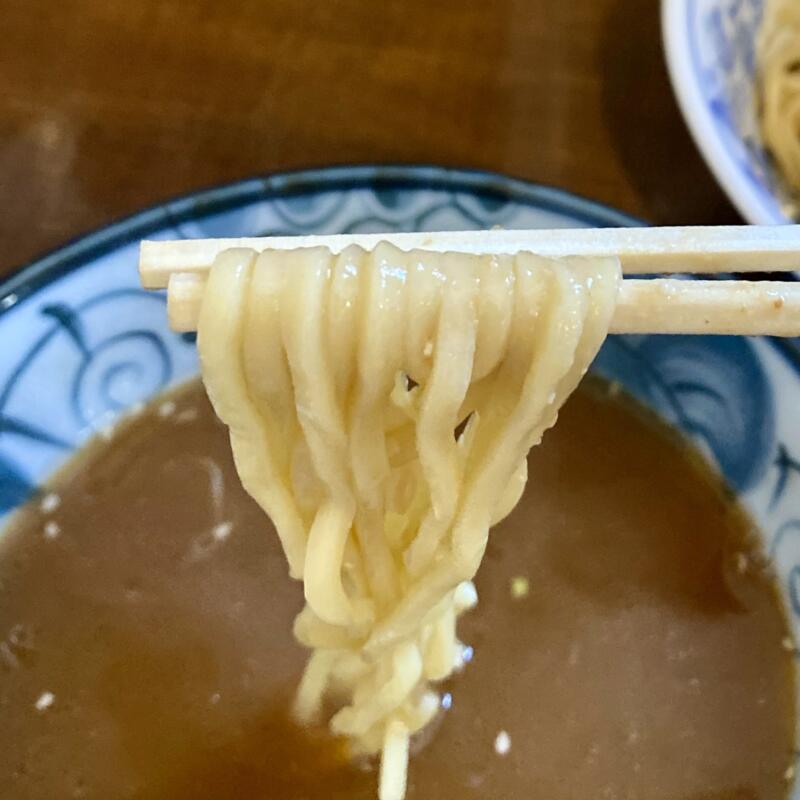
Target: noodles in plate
[(381, 406), (779, 67)]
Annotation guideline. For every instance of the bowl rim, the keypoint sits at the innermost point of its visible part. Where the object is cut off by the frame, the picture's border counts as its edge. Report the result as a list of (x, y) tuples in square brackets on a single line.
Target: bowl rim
[(27, 278), (681, 65)]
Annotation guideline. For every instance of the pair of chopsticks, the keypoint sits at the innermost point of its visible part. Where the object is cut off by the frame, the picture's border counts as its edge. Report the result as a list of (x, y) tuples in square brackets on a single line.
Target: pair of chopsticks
[(659, 305)]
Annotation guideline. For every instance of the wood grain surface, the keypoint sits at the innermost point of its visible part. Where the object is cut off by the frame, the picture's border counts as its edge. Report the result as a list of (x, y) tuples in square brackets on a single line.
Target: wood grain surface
[(110, 105)]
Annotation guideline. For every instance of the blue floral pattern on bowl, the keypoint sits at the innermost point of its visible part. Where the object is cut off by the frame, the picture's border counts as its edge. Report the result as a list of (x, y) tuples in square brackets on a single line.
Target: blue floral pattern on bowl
[(82, 343), (711, 50)]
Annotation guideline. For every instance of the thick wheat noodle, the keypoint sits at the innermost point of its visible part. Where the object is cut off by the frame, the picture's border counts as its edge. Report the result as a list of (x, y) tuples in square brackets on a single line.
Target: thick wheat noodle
[(779, 67), (381, 407)]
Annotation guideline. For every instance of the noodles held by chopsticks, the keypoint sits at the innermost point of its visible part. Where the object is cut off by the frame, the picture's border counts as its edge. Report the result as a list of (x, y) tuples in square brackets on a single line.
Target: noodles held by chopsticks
[(779, 67), (381, 407)]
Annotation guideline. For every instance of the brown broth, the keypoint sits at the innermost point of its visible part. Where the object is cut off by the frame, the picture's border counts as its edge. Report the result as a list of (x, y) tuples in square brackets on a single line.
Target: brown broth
[(647, 660)]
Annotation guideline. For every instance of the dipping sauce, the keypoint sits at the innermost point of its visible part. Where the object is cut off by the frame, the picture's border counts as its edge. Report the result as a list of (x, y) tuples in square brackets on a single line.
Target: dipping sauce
[(629, 642)]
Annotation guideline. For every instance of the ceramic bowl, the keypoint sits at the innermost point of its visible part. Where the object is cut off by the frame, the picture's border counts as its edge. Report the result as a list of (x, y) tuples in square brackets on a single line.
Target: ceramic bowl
[(710, 49), (81, 343)]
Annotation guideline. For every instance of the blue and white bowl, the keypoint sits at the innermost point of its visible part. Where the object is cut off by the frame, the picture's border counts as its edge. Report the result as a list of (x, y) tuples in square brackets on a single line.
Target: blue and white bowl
[(81, 343), (710, 47)]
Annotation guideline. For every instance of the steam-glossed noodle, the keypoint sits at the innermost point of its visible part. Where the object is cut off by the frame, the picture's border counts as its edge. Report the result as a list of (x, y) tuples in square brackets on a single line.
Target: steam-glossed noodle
[(381, 408)]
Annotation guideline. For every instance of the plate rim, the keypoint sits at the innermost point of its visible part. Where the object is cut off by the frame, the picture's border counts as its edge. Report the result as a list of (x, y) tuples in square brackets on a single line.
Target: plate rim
[(25, 280)]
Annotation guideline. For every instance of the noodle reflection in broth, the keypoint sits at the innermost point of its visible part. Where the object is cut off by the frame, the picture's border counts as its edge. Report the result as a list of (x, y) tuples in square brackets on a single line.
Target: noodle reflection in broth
[(381, 407), (779, 65)]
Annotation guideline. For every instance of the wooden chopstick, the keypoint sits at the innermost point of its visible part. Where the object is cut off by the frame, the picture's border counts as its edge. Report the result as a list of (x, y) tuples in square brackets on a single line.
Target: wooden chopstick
[(741, 248), (643, 306), (745, 308)]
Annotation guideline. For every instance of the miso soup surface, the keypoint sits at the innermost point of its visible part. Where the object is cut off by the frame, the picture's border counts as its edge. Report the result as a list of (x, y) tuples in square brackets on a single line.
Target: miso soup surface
[(628, 642)]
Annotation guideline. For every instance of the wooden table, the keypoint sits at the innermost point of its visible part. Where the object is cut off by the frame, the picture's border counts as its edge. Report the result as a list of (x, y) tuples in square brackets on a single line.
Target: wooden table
[(110, 105)]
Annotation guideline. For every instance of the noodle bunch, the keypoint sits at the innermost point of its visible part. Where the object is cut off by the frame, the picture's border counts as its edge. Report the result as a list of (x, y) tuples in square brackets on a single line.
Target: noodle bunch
[(381, 407), (779, 68)]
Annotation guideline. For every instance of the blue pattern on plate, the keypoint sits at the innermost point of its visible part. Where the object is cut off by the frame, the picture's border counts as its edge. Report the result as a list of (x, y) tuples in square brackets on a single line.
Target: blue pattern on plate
[(87, 342), (726, 406), (102, 356)]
